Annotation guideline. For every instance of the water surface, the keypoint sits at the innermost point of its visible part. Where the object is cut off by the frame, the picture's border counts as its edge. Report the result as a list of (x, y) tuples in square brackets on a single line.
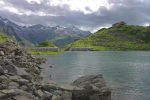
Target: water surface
[(127, 72)]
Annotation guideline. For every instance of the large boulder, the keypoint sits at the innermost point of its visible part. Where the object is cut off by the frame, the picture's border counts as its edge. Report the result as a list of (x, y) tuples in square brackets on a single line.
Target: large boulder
[(94, 88)]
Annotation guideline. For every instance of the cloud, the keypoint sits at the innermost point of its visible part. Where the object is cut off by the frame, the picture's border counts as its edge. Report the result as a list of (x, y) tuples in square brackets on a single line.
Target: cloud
[(82, 6), (85, 14), (34, 1)]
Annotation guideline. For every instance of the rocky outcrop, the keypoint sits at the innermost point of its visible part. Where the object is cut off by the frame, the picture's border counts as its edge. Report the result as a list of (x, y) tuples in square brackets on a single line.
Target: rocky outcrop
[(119, 24), (20, 80)]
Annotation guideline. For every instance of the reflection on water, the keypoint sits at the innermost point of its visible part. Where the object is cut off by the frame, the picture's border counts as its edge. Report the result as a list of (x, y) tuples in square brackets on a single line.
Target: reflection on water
[(127, 73)]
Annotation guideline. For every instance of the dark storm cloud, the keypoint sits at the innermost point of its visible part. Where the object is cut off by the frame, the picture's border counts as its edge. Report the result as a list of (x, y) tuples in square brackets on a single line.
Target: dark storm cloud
[(130, 11)]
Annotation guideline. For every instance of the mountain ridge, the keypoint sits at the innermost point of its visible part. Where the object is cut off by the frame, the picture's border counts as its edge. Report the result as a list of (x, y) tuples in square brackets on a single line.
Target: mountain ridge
[(38, 33)]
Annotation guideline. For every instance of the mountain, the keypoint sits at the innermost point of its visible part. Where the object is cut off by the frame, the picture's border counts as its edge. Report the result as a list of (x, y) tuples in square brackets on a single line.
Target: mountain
[(9, 28), (58, 35), (36, 34), (118, 37)]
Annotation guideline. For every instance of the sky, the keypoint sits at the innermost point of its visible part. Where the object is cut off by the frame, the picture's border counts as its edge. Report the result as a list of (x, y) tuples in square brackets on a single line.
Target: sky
[(88, 15)]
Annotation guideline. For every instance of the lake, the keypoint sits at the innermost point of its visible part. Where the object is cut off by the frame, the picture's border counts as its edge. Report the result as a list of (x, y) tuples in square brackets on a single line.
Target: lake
[(127, 73)]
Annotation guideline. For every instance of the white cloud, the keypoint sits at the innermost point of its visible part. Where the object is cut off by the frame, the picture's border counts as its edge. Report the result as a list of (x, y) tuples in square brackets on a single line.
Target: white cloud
[(6, 6), (34, 1), (85, 14), (146, 24), (86, 6), (12, 10), (2, 2)]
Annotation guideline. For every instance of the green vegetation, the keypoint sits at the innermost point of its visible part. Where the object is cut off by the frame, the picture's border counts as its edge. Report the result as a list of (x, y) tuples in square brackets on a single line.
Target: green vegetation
[(118, 37), (44, 52), (3, 37), (46, 44)]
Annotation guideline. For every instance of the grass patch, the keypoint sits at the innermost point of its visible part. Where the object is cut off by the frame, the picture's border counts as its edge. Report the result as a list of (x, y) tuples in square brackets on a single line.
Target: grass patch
[(126, 37), (44, 52), (3, 38)]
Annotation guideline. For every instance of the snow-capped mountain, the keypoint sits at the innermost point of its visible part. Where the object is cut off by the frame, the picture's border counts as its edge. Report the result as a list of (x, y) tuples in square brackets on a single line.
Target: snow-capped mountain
[(38, 33)]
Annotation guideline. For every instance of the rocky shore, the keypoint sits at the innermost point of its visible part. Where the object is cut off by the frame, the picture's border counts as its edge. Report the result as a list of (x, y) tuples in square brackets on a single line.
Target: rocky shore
[(20, 80)]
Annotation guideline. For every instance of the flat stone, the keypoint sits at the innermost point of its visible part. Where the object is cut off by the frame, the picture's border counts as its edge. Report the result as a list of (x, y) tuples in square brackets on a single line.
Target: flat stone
[(57, 86), (2, 53), (21, 98), (22, 81), (24, 96), (6, 93)]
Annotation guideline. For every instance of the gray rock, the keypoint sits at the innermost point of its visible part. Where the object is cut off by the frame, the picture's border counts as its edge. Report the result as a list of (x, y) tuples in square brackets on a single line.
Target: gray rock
[(13, 85), (2, 96), (66, 95), (24, 95), (46, 96), (3, 77), (7, 93), (10, 67), (1, 71), (56, 97), (57, 92), (39, 93), (24, 87), (14, 78), (3, 86), (58, 86), (2, 53), (21, 72), (94, 88), (22, 81), (21, 97)]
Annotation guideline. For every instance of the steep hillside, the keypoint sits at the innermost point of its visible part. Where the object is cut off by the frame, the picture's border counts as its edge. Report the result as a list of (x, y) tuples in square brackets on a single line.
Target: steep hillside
[(9, 29), (118, 37)]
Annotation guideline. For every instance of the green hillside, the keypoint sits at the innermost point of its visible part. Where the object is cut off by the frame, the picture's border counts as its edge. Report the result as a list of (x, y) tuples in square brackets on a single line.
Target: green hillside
[(3, 37), (46, 44), (118, 37)]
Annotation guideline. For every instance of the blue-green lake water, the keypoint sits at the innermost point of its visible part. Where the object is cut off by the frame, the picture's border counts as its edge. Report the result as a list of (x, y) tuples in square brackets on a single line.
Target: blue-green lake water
[(127, 73)]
